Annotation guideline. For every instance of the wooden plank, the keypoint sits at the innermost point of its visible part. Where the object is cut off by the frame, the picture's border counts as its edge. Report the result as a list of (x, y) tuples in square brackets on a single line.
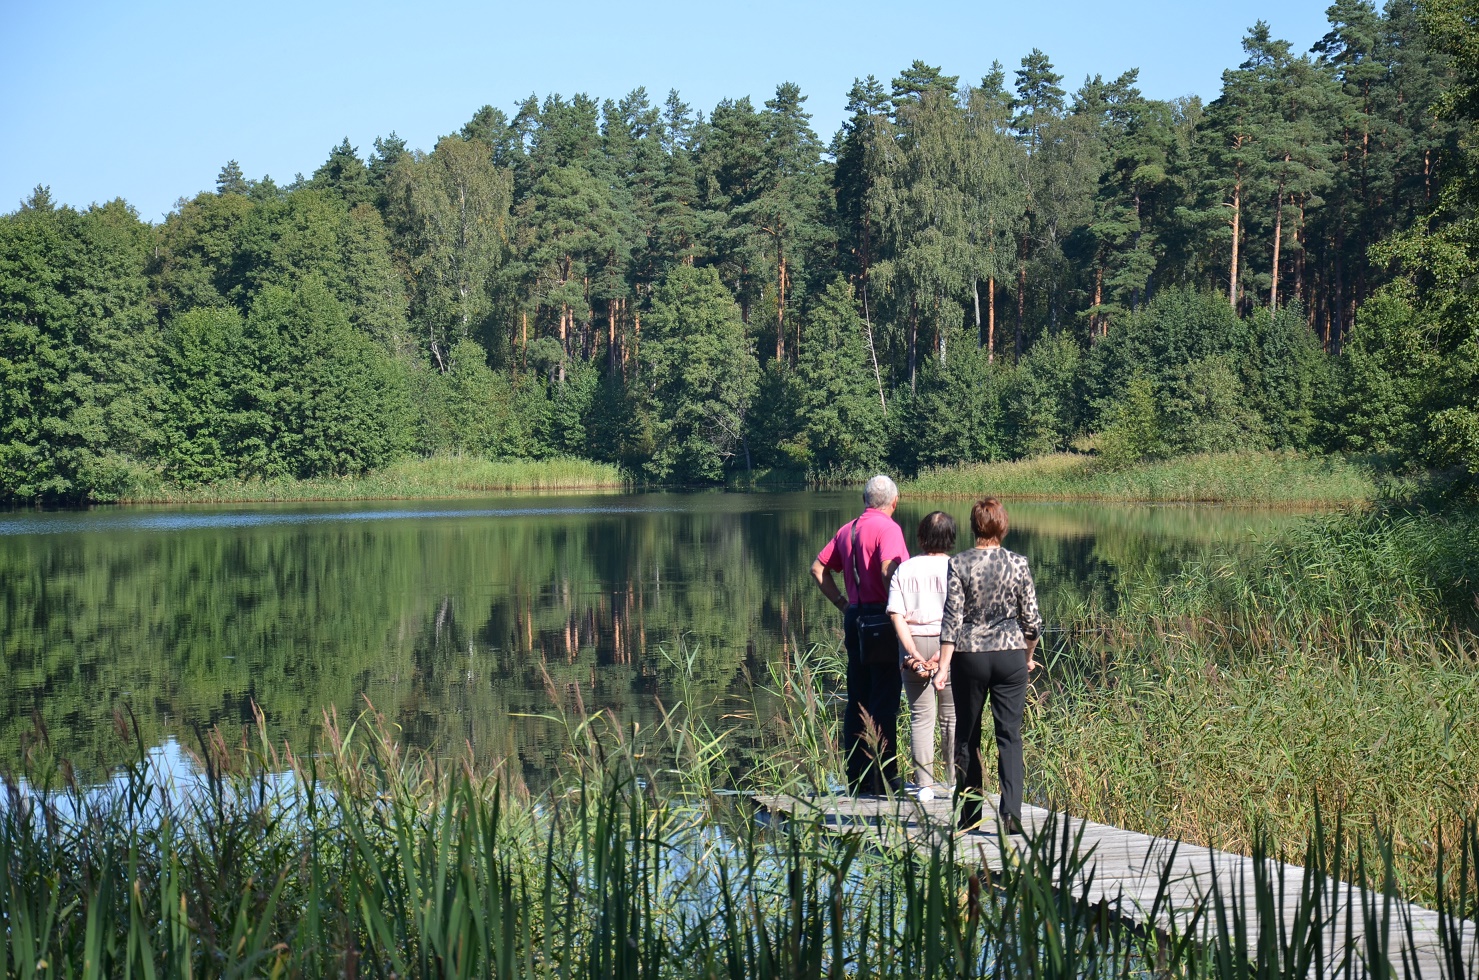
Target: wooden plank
[(1125, 869)]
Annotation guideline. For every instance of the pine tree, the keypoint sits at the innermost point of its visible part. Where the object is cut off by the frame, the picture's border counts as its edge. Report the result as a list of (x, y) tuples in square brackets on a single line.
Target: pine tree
[(1137, 196), (1298, 147), (572, 232), (785, 213), (921, 203), (231, 180), (1039, 101), (388, 152), (867, 105), (734, 165), (990, 168), (1235, 123), (344, 176), (699, 373)]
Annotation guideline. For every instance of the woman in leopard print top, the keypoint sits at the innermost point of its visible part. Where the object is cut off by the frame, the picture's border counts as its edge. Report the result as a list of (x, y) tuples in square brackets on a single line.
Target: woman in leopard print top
[(991, 603), (988, 636)]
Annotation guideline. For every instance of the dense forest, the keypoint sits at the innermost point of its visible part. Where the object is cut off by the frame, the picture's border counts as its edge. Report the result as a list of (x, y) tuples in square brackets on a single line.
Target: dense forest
[(968, 271)]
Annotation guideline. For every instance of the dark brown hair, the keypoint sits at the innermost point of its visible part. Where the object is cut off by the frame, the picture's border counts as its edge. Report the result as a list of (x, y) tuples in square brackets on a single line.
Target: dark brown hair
[(937, 533), (989, 519)]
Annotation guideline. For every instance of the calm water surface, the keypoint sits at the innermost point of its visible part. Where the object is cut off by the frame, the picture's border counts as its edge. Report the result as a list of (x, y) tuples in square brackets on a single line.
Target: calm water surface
[(449, 616)]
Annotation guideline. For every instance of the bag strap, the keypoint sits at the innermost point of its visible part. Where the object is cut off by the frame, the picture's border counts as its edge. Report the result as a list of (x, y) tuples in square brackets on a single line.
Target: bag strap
[(857, 572)]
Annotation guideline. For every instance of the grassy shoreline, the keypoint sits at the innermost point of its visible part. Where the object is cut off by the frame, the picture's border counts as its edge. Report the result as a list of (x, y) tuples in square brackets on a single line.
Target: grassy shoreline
[(1283, 479), (413, 479), (1258, 478)]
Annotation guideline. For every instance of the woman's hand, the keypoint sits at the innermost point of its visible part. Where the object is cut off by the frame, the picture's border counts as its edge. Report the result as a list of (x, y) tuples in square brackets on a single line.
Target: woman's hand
[(942, 672), (913, 661), (1031, 655)]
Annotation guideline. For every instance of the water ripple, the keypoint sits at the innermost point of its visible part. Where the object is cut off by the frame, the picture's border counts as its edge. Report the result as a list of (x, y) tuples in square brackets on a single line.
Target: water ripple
[(78, 523)]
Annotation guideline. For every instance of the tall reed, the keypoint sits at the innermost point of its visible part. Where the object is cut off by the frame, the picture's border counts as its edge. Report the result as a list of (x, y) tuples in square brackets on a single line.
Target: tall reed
[(1337, 664), (361, 860)]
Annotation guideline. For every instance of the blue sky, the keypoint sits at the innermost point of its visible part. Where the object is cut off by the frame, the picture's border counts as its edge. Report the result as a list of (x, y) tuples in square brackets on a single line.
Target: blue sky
[(146, 100)]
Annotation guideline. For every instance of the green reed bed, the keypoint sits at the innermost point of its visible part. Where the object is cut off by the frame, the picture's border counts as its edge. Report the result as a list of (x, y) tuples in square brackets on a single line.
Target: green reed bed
[(1337, 665), (359, 860), (434, 477), (1253, 477)]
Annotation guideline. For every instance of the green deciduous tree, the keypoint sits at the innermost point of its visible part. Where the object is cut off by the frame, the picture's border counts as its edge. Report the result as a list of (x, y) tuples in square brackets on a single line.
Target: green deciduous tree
[(1291, 386), (1132, 425), (450, 214), (469, 409), (1389, 361), (203, 359), (77, 351), (317, 397), (1042, 401), (957, 415), (1205, 408)]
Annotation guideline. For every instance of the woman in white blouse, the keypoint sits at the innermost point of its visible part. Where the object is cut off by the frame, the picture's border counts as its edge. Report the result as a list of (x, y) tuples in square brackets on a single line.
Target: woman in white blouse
[(916, 603)]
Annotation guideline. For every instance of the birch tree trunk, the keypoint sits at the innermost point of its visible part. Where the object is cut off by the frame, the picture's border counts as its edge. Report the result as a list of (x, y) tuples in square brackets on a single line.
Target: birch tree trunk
[(913, 341), (873, 351), (1232, 279), (976, 296), (1273, 291)]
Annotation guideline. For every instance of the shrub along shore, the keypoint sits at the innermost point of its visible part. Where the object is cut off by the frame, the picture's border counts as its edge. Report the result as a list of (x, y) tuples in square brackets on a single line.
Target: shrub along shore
[(1287, 479), (415, 479)]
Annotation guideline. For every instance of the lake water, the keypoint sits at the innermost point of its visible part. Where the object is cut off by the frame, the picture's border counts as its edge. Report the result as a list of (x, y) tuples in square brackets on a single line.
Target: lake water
[(458, 620)]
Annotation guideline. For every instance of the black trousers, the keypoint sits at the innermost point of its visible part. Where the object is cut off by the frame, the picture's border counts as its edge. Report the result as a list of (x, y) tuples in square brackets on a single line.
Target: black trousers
[(1000, 675), (874, 689)]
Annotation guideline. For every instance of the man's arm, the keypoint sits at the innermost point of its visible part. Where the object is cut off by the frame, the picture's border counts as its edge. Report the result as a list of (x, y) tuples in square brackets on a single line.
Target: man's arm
[(823, 577)]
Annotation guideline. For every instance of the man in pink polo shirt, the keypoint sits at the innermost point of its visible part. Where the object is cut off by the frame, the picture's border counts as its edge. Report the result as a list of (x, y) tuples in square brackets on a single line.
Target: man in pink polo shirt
[(872, 688)]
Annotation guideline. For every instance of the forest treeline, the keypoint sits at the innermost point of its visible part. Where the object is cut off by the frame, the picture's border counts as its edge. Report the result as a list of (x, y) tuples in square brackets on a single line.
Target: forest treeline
[(968, 271)]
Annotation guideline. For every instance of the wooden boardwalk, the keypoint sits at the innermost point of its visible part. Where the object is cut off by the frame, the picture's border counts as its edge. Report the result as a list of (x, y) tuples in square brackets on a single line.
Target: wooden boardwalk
[(1126, 870)]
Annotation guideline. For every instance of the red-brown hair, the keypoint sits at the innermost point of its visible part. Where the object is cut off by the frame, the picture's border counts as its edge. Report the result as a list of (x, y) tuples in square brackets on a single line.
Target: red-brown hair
[(989, 519)]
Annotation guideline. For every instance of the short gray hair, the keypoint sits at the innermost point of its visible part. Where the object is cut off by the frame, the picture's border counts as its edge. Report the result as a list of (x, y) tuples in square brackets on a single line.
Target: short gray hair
[(880, 492)]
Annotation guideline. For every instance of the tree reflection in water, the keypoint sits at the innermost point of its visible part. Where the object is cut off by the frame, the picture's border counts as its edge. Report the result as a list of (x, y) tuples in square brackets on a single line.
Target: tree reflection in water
[(460, 621)]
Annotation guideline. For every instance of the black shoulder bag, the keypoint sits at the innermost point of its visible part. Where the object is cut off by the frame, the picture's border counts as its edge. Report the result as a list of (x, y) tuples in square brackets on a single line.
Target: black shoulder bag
[(876, 637)]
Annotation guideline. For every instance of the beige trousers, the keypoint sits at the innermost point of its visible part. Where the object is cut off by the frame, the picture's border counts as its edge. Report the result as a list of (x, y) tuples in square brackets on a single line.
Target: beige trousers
[(927, 707)]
